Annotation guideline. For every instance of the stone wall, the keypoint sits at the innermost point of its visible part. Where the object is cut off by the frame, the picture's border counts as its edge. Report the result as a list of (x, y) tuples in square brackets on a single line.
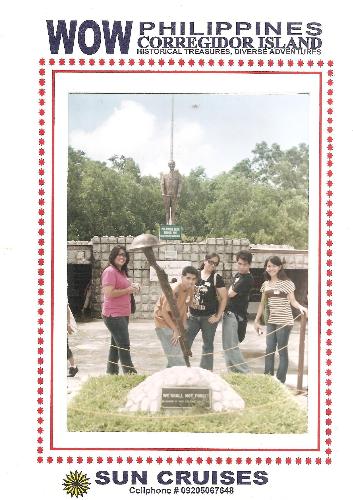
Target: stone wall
[(79, 252), (96, 253), (140, 270), (293, 259)]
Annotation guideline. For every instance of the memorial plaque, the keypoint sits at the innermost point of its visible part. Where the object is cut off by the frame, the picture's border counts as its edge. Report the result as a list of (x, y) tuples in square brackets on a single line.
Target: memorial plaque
[(169, 232), (171, 254), (186, 397)]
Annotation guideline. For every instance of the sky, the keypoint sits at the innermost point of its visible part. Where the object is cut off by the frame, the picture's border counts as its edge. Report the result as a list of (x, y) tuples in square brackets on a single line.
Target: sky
[(215, 131)]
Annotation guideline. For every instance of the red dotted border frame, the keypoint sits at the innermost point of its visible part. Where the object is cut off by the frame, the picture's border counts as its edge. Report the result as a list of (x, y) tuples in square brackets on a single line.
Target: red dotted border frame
[(325, 67)]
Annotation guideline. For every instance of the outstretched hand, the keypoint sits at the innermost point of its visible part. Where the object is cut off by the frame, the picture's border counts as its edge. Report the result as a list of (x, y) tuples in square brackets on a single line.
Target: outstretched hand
[(175, 338), (258, 328), (213, 319), (303, 310), (136, 287)]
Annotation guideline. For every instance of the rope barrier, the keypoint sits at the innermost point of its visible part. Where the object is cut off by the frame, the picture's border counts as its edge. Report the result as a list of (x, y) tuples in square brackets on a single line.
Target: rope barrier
[(260, 357), (218, 352), (229, 366), (201, 415)]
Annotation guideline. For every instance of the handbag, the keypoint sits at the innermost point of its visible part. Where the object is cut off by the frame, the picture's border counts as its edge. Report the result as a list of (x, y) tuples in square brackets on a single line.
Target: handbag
[(242, 324), (133, 303), (266, 309), (215, 286)]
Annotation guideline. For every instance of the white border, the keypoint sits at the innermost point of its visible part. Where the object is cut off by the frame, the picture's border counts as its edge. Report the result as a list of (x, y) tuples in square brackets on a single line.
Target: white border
[(245, 84)]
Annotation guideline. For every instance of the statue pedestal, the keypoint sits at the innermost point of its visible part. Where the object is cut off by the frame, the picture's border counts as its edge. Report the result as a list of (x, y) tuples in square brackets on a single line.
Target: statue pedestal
[(189, 386)]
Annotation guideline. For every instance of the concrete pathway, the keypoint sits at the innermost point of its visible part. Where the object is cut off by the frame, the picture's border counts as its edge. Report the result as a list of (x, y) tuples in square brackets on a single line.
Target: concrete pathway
[(90, 350)]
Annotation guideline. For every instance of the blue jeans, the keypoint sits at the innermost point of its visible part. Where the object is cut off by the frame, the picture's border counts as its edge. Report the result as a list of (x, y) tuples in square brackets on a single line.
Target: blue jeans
[(230, 343), (173, 353), (278, 339), (208, 330), (119, 345)]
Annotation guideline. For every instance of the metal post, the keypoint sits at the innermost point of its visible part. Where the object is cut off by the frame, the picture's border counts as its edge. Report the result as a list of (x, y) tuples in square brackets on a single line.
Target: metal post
[(172, 131), (163, 280), (301, 353), (171, 152)]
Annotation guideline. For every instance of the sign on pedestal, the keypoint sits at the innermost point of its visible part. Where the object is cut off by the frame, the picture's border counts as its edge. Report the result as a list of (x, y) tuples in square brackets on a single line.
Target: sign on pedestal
[(186, 397), (169, 232)]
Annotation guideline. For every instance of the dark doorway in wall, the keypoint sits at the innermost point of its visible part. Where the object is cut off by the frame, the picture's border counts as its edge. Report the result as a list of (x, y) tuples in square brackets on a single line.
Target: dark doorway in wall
[(300, 279), (298, 276), (79, 277)]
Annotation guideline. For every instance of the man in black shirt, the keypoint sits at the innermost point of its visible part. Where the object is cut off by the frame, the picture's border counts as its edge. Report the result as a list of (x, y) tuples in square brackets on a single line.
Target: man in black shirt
[(235, 316)]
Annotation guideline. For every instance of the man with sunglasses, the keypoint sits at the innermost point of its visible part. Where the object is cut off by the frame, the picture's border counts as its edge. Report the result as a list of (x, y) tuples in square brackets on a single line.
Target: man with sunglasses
[(209, 302)]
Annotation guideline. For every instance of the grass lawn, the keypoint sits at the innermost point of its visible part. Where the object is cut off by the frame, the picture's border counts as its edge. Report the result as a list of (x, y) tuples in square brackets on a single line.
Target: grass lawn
[(270, 409)]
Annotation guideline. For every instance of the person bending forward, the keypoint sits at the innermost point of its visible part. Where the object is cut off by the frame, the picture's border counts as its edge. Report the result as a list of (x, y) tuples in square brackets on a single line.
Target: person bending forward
[(166, 329)]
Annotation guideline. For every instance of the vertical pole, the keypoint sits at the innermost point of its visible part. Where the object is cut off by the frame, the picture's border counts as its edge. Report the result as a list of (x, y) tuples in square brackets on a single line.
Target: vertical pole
[(301, 353), (163, 281), (172, 131), (171, 149)]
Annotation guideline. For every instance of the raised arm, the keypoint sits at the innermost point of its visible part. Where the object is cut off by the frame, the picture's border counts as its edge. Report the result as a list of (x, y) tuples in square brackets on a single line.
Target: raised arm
[(295, 303)]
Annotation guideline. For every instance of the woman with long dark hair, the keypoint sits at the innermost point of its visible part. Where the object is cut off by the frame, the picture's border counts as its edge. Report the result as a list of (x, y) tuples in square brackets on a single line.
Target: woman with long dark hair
[(209, 302), (278, 294), (117, 292)]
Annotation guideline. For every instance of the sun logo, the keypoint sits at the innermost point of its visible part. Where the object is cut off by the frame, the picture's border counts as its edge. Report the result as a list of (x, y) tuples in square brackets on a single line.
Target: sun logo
[(76, 484)]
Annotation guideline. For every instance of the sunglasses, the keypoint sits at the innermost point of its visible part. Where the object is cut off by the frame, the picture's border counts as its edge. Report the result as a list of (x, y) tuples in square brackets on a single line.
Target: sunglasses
[(213, 263), (121, 254)]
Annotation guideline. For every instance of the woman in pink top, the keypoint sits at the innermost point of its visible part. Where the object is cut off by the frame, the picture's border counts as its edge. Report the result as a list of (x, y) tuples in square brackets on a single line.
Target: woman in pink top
[(117, 291)]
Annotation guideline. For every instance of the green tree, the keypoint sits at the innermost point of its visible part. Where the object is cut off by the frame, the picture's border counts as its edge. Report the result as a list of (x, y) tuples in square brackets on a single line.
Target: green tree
[(263, 198), (107, 201), (195, 196), (283, 169), (259, 212), (125, 165)]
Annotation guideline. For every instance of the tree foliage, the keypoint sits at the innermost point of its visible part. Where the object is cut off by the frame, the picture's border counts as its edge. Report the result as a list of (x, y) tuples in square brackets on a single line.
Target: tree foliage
[(195, 197), (263, 198), (110, 201), (125, 166)]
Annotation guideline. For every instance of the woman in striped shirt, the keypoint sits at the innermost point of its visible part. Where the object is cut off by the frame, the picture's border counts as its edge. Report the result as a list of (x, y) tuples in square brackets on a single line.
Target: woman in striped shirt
[(278, 289)]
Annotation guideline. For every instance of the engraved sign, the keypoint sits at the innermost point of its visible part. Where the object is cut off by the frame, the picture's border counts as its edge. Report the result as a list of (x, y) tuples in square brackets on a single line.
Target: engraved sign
[(171, 254), (170, 232), (186, 397)]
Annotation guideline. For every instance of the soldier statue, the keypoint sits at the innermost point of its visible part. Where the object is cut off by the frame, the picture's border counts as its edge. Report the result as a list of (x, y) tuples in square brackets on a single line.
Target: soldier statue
[(171, 189)]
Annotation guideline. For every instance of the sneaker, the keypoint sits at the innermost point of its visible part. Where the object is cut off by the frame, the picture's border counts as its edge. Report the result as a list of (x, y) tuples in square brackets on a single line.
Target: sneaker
[(72, 371)]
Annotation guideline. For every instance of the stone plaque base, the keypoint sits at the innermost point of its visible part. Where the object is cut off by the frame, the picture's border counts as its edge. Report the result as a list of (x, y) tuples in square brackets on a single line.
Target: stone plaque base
[(148, 395)]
